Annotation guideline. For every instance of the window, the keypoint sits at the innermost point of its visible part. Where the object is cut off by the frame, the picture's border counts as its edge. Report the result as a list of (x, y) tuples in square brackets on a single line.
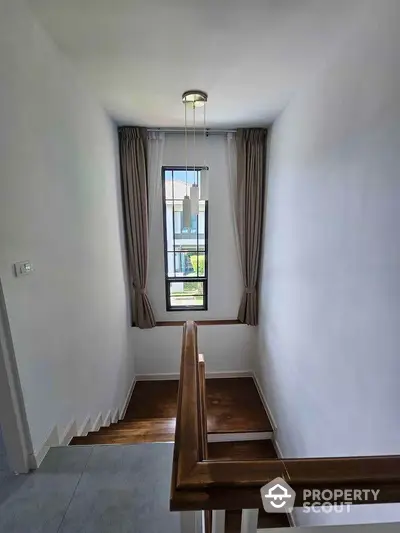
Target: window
[(185, 248)]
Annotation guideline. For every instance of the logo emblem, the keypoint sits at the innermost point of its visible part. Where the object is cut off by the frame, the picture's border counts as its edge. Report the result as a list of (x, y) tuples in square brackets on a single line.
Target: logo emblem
[(277, 496)]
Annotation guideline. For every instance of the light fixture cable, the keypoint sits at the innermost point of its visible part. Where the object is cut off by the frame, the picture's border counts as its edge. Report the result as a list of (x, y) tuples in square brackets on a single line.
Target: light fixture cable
[(205, 134), (186, 148), (194, 144), (204, 176)]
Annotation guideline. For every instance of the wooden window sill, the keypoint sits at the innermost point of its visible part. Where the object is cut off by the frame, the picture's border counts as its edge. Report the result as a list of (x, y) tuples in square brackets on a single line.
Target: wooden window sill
[(200, 322)]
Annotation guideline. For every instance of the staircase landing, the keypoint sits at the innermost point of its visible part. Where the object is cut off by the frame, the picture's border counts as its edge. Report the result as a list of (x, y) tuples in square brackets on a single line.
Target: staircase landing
[(233, 408)]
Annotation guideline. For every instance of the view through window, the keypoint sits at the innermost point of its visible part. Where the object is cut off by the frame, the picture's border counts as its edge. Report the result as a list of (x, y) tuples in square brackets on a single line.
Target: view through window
[(185, 248)]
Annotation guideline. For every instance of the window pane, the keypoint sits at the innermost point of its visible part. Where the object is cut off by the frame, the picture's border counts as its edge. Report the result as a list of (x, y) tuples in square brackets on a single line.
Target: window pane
[(198, 262), (170, 220), (184, 264), (175, 183), (186, 294), (168, 185)]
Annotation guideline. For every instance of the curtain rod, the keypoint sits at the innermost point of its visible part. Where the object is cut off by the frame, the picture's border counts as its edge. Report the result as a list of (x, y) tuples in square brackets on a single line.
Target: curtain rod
[(190, 131)]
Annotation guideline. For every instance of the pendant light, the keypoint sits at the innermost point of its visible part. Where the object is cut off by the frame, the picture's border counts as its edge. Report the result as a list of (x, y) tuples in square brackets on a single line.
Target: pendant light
[(204, 171), (194, 189), (194, 99), (194, 199), (186, 215)]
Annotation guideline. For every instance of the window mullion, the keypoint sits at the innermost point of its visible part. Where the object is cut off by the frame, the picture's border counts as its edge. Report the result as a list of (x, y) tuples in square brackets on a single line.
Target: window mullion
[(173, 222)]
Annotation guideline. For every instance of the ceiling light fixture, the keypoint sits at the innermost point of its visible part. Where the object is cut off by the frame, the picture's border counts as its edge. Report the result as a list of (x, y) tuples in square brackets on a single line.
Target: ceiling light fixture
[(193, 100)]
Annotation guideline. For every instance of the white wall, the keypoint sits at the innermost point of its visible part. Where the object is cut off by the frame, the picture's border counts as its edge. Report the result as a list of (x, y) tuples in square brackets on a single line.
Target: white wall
[(227, 348), (329, 332), (59, 208)]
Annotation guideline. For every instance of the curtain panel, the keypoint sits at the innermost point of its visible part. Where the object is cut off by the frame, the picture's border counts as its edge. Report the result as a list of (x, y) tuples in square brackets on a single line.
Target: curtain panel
[(133, 147), (249, 209)]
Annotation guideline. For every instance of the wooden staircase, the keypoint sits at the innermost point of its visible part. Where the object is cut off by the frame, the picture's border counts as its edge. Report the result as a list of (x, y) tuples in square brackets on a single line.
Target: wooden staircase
[(224, 454), (235, 414), (131, 432)]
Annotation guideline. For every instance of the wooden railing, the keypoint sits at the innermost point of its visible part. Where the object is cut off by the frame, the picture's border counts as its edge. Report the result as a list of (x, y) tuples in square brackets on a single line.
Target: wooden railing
[(199, 483)]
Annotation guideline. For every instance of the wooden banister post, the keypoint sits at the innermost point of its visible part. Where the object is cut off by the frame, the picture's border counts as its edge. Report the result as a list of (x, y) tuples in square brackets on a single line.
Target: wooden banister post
[(202, 408)]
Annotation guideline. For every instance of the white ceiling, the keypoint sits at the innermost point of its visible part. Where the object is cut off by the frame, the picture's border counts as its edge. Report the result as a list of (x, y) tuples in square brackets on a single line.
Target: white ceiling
[(138, 56)]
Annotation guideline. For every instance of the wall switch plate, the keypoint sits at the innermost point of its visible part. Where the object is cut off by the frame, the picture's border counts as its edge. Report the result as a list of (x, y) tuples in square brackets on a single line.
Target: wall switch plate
[(23, 268)]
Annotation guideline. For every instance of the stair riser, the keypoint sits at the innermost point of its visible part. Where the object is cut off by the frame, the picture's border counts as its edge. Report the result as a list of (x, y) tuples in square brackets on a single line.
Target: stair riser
[(135, 427), (122, 440)]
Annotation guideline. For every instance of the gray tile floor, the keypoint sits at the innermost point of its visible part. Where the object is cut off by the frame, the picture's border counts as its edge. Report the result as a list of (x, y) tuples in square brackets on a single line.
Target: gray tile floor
[(3, 458), (92, 489)]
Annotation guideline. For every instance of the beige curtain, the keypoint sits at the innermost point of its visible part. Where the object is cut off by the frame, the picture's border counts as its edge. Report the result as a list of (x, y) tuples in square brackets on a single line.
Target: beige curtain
[(249, 207), (134, 168)]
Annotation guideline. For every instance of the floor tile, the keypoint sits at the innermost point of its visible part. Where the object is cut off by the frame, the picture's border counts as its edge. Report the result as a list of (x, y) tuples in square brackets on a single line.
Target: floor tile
[(3, 457), (124, 489), (37, 502), (60, 459)]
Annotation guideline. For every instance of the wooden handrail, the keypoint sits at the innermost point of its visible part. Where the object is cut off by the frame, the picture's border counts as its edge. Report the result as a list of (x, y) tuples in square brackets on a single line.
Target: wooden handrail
[(203, 429), (203, 445), (200, 484)]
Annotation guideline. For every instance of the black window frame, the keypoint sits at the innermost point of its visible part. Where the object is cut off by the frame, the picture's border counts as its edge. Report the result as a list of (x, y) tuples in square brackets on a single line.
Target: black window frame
[(168, 279)]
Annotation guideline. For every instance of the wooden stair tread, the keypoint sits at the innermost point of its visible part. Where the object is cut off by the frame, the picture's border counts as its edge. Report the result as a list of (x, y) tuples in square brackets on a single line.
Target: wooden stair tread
[(128, 421), (234, 406), (135, 431), (233, 520), (241, 451), (153, 399)]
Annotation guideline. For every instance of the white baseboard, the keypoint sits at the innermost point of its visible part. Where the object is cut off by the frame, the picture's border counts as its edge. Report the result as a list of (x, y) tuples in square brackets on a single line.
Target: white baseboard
[(156, 377), (234, 374), (85, 427), (52, 440), (97, 423), (115, 416), (209, 375), (265, 403), (40, 455), (277, 447), (107, 419), (127, 400), (242, 437), (69, 433), (279, 453)]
